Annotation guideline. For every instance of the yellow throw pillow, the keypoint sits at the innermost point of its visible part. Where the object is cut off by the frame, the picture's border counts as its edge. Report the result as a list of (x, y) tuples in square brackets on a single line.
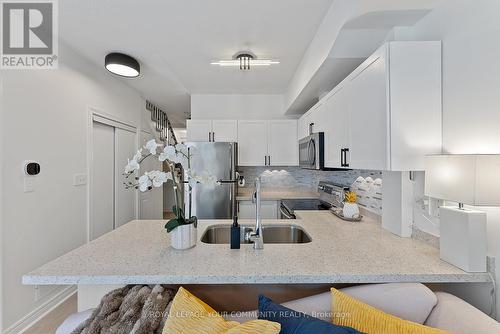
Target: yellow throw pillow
[(347, 311), (189, 314)]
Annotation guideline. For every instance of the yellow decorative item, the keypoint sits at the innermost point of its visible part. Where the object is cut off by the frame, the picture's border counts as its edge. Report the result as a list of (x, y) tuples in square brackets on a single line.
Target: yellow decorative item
[(347, 311), (351, 197), (188, 314)]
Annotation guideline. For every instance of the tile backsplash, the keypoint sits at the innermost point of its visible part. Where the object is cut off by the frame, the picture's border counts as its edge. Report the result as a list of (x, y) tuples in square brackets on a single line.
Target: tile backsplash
[(367, 184)]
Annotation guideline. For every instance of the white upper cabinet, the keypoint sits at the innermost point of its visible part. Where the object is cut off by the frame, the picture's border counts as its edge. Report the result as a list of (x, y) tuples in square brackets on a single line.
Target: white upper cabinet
[(386, 115), (252, 143), (335, 120), (199, 130), (268, 143), (282, 145), (214, 131), (224, 130), (369, 135), (303, 126)]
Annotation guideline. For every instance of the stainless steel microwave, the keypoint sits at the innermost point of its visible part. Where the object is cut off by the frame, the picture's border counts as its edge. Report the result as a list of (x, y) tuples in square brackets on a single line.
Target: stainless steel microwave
[(312, 151)]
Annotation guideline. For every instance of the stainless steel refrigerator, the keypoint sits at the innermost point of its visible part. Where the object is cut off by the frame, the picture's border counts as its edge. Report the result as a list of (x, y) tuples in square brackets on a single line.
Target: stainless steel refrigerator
[(212, 201)]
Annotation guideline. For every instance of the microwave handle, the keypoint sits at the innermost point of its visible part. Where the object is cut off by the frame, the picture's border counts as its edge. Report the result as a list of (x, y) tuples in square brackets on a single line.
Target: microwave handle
[(311, 152)]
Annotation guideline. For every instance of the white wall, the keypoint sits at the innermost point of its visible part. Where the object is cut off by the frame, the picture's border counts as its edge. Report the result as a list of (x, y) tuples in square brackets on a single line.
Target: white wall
[(1, 201), (234, 106), (46, 114), (471, 80)]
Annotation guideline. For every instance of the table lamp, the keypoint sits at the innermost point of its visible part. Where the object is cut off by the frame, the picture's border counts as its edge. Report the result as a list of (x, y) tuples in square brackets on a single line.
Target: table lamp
[(465, 179)]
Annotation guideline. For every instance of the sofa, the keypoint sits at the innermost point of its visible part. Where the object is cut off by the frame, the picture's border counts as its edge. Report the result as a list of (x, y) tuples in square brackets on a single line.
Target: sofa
[(410, 301)]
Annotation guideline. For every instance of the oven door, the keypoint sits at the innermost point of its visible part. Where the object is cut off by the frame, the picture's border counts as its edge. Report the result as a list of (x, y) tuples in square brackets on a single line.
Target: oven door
[(286, 213)]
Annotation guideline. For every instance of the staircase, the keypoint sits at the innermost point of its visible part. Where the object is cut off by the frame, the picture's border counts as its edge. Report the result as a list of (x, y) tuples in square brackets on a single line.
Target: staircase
[(161, 124)]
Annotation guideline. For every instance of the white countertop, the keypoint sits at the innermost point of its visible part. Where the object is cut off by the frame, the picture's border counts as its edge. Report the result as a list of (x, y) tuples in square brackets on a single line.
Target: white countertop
[(276, 194), (340, 252)]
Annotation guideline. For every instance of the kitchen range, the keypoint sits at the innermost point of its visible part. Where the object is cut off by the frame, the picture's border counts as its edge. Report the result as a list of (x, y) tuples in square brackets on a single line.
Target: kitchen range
[(331, 195)]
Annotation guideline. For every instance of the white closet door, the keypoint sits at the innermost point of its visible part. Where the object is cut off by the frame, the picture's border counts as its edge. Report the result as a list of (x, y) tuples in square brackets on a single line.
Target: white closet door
[(125, 199), (102, 180), (151, 202)]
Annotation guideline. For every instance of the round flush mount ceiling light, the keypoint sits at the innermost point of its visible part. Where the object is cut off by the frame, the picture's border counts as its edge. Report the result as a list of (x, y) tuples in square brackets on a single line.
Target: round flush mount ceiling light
[(245, 60), (122, 65)]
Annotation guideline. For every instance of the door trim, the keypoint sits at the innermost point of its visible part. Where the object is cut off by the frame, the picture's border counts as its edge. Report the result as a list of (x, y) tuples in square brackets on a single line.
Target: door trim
[(100, 116)]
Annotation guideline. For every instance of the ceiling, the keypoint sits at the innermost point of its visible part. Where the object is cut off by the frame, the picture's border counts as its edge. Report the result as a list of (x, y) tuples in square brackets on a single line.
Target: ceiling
[(175, 41)]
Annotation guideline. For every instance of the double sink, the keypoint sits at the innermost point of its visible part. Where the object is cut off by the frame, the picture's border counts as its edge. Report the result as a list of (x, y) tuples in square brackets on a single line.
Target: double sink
[(273, 234)]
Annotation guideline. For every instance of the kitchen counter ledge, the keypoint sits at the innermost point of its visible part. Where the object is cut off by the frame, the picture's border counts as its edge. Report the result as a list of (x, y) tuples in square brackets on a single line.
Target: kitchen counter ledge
[(340, 252)]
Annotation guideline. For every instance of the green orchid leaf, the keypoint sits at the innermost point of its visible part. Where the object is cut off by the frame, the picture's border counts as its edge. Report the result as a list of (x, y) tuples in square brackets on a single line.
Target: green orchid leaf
[(172, 224), (194, 220)]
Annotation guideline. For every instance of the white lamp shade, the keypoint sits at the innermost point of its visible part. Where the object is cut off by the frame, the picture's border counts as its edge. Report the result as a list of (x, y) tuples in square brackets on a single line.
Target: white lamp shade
[(469, 179)]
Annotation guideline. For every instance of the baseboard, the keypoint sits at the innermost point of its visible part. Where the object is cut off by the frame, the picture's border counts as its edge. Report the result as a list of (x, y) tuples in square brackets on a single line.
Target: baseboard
[(31, 318)]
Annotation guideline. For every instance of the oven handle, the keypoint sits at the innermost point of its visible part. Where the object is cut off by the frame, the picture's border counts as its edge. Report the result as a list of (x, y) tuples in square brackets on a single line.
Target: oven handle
[(286, 213)]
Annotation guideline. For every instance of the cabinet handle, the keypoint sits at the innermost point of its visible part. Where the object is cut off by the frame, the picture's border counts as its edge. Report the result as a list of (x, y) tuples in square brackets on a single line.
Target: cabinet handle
[(265, 160), (269, 160), (209, 136), (311, 128), (346, 164), (213, 136), (341, 157)]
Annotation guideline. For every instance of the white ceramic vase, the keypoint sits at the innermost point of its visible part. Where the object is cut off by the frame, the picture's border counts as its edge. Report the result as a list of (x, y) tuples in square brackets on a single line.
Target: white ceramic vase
[(350, 210), (184, 236)]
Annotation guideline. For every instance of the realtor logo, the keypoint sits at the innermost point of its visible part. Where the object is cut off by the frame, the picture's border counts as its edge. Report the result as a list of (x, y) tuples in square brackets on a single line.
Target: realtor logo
[(29, 34)]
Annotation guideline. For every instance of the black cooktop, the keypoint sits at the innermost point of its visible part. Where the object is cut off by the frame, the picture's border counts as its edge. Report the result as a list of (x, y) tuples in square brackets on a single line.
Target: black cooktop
[(305, 204)]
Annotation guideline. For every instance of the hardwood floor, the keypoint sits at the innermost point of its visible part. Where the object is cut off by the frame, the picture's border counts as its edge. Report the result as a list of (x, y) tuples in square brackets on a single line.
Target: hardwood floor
[(168, 215), (49, 323)]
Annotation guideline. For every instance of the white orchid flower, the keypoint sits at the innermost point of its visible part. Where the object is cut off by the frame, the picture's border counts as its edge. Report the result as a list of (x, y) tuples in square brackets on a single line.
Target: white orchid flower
[(182, 148), (168, 154), (160, 178), (138, 155), (152, 146), (132, 166), (144, 183)]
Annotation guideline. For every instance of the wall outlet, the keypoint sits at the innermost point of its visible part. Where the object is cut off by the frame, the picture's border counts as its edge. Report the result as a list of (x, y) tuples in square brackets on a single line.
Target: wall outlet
[(79, 180), (29, 184)]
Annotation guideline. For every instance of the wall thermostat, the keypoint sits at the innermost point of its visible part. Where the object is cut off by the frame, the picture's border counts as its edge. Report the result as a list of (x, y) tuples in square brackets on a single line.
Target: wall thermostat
[(31, 168)]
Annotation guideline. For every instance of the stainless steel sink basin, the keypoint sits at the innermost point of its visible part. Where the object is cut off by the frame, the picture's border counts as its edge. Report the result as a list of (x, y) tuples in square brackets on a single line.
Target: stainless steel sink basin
[(273, 234)]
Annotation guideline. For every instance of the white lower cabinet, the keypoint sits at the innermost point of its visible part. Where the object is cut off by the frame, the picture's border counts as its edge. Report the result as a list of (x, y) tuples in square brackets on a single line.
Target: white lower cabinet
[(268, 210)]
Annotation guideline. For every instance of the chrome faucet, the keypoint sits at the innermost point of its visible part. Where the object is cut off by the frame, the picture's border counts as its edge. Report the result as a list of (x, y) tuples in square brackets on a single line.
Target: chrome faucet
[(256, 236)]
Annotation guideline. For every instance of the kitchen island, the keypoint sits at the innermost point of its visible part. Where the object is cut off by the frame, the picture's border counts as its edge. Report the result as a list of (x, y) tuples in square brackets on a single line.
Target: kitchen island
[(340, 252)]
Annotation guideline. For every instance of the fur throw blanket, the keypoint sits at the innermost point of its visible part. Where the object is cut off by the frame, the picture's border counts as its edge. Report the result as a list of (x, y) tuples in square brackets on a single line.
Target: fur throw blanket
[(134, 309)]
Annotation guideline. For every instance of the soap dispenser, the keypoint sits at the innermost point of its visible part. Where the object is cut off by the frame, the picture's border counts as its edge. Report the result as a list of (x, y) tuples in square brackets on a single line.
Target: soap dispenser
[(235, 234)]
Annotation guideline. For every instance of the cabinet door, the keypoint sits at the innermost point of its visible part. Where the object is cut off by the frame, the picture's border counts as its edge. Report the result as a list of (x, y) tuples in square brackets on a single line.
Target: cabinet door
[(303, 126), (225, 130), (335, 120), (283, 146), (368, 118), (314, 118), (198, 130), (268, 210), (252, 143)]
